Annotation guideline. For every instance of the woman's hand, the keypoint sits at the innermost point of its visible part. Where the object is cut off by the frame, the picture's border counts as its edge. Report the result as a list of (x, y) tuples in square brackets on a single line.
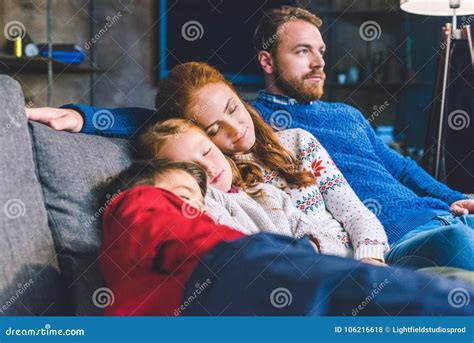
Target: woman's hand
[(61, 119), (373, 261)]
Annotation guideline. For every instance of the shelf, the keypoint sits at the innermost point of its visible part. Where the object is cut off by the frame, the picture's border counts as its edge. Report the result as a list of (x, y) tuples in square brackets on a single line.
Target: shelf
[(12, 64)]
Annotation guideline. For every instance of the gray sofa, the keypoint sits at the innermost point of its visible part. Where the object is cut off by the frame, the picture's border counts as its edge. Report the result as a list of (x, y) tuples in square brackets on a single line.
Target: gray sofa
[(50, 202)]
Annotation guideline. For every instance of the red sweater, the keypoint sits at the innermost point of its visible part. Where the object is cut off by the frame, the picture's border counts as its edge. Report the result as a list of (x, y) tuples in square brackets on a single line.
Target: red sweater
[(150, 249)]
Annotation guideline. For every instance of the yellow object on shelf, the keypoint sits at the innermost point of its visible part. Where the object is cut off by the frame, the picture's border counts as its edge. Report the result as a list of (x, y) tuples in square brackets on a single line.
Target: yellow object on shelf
[(18, 47)]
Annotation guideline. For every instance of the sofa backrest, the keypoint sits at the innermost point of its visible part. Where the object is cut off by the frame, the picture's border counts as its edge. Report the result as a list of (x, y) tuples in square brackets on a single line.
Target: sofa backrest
[(30, 280), (72, 168), (58, 176)]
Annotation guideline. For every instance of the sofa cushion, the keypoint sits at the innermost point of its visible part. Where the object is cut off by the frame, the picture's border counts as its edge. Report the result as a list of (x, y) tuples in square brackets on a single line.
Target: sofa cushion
[(72, 168), (30, 281)]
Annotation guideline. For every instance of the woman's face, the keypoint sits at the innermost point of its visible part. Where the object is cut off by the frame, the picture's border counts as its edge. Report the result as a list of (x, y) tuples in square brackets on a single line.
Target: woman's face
[(192, 145), (221, 114)]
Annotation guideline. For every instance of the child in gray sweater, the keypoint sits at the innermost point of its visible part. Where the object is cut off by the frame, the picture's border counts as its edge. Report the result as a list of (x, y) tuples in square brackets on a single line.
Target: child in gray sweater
[(188, 181)]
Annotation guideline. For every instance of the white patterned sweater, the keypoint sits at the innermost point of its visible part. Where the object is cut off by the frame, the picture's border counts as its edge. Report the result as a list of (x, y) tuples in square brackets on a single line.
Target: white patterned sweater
[(330, 201)]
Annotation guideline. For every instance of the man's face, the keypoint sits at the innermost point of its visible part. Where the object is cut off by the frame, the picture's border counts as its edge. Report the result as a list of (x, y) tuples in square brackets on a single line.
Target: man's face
[(298, 61)]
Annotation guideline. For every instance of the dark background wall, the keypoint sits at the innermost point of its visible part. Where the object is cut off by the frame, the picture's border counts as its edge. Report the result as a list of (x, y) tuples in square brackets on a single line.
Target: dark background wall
[(399, 97)]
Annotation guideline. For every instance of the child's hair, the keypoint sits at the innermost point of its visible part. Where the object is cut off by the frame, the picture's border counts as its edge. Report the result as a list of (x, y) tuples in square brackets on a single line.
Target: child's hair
[(175, 98), (145, 172), (154, 138)]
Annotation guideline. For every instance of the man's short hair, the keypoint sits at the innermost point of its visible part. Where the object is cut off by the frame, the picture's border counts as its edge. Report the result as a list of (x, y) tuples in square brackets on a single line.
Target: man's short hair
[(273, 23)]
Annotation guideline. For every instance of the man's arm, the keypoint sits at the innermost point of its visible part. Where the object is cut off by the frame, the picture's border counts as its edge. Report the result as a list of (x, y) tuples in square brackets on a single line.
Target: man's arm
[(118, 122), (408, 172)]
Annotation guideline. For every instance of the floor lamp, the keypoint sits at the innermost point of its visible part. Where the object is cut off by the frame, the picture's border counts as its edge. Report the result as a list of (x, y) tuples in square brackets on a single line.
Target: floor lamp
[(443, 8)]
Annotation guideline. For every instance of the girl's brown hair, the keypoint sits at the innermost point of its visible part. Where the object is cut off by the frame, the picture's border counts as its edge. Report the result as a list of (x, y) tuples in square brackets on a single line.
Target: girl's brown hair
[(175, 99)]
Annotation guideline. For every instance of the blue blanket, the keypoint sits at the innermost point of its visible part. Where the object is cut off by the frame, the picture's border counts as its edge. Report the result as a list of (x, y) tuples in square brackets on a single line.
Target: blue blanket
[(268, 274)]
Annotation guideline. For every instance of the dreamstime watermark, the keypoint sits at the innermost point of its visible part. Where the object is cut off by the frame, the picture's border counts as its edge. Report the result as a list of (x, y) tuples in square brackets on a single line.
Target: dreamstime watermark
[(193, 121), (189, 300), (22, 288), (199, 112), (103, 120), (465, 22), (459, 120), (101, 210), (280, 120), (16, 117), (110, 21), (370, 30), (459, 297), (377, 111), (378, 287), (14, 121), (14, 208), (192, 30), (191, 209), (46, 331), (373, 206), (266, 45), (281, 297), (14, 29), (103, 297)]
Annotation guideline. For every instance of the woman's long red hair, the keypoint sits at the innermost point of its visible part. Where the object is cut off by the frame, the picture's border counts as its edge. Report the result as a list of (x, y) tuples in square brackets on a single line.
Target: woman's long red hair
[(175, 99)]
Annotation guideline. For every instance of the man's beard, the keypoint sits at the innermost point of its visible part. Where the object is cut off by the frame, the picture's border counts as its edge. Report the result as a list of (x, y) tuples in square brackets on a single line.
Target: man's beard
[(296, 88)]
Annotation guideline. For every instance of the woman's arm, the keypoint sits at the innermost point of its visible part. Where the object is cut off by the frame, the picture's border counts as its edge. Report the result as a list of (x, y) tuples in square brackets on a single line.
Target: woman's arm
[(365, 230)]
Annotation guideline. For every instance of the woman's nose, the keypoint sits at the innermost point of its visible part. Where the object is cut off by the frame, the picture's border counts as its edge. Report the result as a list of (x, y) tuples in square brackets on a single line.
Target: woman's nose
[(232, 127)]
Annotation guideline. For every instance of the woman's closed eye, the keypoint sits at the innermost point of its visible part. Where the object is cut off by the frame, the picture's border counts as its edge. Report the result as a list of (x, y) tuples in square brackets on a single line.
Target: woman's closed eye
[(212, 132)]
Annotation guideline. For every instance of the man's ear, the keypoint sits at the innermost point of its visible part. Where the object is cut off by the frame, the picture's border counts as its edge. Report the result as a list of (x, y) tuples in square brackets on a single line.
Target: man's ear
[(266, 61)]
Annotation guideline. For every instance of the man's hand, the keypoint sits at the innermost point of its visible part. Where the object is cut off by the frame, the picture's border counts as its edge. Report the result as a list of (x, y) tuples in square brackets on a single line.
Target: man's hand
[(462, 207), (373, 261), (57, 118)]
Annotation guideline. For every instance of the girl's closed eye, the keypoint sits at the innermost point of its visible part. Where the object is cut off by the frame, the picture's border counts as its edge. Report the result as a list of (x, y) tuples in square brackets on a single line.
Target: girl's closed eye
[(233, 108), (207, 152)]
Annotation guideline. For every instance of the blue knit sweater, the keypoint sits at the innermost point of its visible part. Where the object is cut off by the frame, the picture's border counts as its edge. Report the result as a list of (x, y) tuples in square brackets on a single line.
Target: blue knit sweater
[(395, 188)]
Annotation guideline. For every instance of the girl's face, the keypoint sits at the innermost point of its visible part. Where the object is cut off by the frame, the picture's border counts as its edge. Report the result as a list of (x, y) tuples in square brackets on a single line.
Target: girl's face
[(191, 145), (223, 116)]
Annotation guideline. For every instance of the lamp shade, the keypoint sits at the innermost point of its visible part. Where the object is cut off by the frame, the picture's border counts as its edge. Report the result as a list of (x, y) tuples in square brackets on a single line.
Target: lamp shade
[(437, 7)]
